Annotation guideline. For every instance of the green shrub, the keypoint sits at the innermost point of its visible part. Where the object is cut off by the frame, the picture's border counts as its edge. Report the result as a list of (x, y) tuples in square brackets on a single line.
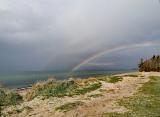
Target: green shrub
[(13, 98), (38, 87), (114, 79), (88, 88), (9, 98), (60, 89)]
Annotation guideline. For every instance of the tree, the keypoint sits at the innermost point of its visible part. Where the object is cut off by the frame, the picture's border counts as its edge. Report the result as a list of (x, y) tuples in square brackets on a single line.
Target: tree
[(152, 64)]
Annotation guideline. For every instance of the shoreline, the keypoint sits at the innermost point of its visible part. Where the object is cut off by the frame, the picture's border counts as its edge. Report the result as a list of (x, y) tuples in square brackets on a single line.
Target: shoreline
[(16, 80), (86, 77), (97, 100)]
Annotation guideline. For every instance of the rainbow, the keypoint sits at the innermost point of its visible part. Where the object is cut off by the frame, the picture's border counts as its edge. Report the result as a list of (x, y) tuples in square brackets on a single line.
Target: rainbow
[(107, 51)]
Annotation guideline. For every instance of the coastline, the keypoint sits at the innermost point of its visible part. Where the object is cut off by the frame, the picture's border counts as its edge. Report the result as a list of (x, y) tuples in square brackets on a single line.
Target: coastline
[(23, 89), (26, 79), (95, 102)]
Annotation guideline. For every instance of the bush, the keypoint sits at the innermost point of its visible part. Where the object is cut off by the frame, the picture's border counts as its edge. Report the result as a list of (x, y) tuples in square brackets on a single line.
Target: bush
[(62, 89), (40, 86), (12, 98), (9, 98)]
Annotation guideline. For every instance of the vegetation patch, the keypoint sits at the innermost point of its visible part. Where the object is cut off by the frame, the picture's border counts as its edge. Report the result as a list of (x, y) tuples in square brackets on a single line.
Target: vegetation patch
[(38, 87), (69, 106), (107, 90), (145, 103), (111, 79), (95, 95), (28, 109), (8, 98), (88, 88), (60, 89), (16, 110), (12, 98), (132, 75), (114, 79)]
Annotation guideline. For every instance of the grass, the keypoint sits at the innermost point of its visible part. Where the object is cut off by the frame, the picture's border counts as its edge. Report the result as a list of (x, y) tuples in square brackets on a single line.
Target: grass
[(114, 79), (59, 89), (16, 110), (88, 88), (8, 98), (52, 88), (134, 75), (69, 106), (38, 87), (145, 103), (95, 95), (111, 79), (12, 98), (62, 89)]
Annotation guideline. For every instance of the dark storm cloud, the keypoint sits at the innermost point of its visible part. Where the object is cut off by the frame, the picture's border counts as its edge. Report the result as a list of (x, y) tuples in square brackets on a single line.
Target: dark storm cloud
[(58, 34)]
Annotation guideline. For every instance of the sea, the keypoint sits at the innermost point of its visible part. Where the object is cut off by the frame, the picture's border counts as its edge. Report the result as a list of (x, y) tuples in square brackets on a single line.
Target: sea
[(26, 79)]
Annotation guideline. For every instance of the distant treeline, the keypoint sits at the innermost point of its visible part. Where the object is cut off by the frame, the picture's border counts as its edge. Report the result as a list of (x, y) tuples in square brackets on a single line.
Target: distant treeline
[(152, 64)]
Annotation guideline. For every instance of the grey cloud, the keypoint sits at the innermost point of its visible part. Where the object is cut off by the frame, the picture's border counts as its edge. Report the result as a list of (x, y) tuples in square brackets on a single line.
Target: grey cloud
[(59, 34)]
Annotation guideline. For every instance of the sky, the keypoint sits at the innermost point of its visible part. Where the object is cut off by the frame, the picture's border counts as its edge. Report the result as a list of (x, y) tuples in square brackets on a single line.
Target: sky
[(77, 34)]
